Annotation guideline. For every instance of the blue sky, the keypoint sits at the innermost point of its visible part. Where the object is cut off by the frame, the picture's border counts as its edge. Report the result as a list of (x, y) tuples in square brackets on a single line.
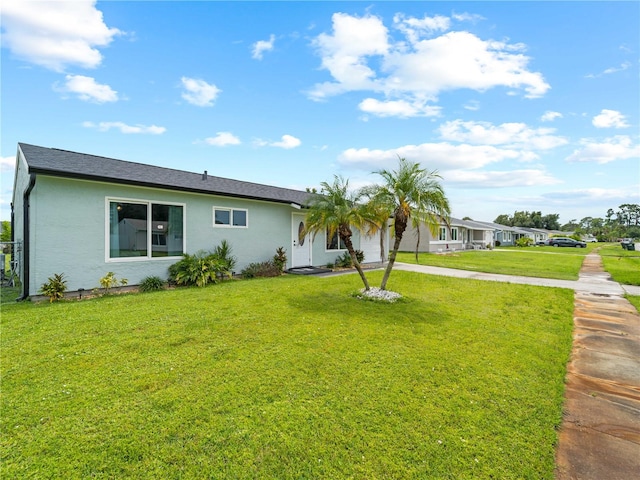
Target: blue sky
[(518, 105)]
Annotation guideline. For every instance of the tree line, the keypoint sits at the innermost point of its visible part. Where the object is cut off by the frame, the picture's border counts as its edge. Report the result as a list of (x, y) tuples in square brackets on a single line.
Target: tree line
[(621, 223)]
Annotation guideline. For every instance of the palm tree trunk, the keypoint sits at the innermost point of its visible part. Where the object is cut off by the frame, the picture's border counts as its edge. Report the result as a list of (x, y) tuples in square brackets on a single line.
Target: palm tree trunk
[(354, 259), (392, 260)]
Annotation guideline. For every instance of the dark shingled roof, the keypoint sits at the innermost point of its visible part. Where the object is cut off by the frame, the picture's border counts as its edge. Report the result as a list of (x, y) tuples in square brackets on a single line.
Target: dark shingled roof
[(63, 163)]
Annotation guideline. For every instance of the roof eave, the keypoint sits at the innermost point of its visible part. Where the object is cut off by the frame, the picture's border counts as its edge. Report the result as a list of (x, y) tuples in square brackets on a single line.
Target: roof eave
[(121, 181)]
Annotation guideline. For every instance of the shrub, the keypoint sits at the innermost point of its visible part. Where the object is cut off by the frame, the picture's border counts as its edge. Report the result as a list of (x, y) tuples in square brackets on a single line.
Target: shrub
[(261, 269), (345, 260), (110, 281), (524, 242), (55, 287), (223, 253), (199, 269), (203, 268), (280, 258), (498, 243), (150, 284)]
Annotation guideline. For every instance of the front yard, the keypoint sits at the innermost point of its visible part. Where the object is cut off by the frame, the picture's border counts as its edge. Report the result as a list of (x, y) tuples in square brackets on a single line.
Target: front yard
[(544, 262), (288, 378)]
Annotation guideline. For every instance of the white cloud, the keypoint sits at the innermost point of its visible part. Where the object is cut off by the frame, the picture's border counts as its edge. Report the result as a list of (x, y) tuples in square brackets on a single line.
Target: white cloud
[(499, 179), (550, 116), (472, 105), (344, 53), (86, 88), (360, 55), (415, 28), (198, 92), (399, 108), (514, 135), (262, 46), (7, 164), (467, 17), (223, 139), (287, 142), (439, 156), (608, 71), (56, 34), (610, 119), (595, 194), (124, 128), (620, 147)]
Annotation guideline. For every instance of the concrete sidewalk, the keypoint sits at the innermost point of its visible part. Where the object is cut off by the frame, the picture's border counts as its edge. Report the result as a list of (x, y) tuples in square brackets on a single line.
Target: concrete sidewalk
[(596, 282)]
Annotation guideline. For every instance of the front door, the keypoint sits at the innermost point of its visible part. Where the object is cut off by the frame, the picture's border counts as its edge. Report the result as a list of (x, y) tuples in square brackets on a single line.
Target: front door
[(300, 243)]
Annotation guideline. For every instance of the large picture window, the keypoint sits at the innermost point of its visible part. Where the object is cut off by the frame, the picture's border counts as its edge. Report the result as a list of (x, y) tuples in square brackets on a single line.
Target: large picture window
[(144, 229), (229, 217)]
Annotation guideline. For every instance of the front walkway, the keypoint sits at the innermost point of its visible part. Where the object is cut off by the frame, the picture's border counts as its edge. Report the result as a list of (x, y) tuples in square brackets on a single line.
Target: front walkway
[(600, 433)]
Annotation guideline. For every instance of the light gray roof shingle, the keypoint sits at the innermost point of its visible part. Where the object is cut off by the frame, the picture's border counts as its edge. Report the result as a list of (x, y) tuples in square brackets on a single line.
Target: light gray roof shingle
[(63, 163)]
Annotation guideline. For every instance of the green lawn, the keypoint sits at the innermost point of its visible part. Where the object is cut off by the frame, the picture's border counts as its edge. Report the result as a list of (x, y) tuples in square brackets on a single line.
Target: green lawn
[(289, 377), (544, 262), (622, 265)]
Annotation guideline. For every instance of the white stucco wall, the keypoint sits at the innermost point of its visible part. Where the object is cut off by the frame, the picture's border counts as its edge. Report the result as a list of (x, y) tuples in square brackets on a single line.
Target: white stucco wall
[(69, 230)]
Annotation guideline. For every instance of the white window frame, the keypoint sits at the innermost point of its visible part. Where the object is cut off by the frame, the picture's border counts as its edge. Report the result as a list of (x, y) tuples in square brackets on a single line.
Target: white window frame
[(340, 242), (231, 214), (454, 234), (149, 256), (442, 234)]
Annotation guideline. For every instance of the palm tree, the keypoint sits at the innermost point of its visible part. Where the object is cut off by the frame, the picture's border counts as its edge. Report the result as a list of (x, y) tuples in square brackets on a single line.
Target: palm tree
[(337, 210), (409, 193)]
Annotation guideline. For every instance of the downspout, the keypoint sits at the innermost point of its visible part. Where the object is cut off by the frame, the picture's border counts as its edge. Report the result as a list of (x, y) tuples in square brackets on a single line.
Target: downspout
[(25, 238)]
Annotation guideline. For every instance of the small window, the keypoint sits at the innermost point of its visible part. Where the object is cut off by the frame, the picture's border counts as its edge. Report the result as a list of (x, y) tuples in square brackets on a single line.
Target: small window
[(454, 234), (443, 233), (334, 242), (222, 217), (229, 217)]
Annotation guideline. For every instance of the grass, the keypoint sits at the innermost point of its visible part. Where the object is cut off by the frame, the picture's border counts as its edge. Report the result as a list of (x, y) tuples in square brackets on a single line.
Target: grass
[(285, 378), (623, 265), (543, 262)]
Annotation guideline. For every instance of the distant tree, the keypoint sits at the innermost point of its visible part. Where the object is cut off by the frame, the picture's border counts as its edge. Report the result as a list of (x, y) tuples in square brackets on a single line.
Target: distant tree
[(550, 221), (523, 219), (467, 218), (5, 235), (629, 214), (570, 226), (504, 219), (530, 220)]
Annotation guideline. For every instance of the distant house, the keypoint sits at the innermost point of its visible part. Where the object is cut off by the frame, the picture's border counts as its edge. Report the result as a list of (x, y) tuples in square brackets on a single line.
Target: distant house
[(536, 234), (504, 235), (85, 215), (454, 236)]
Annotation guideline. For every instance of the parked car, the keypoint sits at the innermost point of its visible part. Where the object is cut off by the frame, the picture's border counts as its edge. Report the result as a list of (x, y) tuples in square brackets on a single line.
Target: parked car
[(565, 242)]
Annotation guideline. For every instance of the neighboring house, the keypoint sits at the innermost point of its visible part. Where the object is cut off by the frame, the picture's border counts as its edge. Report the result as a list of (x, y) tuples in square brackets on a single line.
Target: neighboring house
[(457, 235), (85, 215), (504, 235), (536, 234)]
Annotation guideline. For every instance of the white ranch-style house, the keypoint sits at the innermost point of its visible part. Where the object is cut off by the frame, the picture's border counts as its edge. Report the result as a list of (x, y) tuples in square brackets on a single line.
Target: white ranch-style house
[(85, 215)]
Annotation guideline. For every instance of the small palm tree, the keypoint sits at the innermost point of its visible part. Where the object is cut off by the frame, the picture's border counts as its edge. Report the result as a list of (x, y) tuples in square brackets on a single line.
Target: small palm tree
[(409, 194), (337, 210)]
